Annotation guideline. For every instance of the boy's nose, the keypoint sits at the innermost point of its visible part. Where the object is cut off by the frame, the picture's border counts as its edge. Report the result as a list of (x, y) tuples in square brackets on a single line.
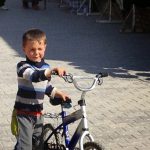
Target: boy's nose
[(36, 51)]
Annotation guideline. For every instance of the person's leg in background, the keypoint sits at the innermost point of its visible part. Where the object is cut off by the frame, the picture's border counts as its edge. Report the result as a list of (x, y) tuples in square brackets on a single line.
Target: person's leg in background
[(2, 5), (35, 4), (25, 4)]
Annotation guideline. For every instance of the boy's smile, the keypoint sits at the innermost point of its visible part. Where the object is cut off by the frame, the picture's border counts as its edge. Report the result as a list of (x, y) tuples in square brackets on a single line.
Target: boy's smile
[(35, 50)]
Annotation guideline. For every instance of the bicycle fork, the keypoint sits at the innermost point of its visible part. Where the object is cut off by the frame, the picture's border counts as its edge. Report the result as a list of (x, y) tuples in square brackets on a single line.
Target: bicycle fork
[(82, 130), (85, 129)]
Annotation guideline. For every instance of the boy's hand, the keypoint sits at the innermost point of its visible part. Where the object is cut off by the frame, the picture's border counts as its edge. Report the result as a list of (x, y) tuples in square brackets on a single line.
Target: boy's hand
[(61, 95), (60, 71)]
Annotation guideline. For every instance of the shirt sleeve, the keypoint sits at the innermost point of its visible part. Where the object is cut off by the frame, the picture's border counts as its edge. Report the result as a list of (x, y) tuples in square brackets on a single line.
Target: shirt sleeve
[(25, 71), (50, 90)]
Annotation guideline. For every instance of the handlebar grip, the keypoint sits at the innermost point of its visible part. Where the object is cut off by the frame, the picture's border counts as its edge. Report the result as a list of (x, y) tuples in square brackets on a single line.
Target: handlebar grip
[(102, 74)]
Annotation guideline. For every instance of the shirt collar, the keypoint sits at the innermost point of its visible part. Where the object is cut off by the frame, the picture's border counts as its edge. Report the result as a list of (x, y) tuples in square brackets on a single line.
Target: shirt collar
[(36, 64)]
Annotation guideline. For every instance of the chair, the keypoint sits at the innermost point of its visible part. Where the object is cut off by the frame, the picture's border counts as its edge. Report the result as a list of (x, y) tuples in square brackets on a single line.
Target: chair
[(110, 9)]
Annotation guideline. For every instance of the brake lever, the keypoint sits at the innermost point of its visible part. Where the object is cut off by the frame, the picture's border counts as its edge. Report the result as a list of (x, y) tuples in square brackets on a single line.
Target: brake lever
[(68, 78)]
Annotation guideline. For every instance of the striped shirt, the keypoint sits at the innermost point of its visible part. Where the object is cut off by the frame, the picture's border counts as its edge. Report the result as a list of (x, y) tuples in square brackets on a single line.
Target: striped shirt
[(32, 85)]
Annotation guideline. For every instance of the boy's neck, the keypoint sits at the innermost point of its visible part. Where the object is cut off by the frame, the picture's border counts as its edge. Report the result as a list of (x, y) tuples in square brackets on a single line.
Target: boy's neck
[(37, 64)]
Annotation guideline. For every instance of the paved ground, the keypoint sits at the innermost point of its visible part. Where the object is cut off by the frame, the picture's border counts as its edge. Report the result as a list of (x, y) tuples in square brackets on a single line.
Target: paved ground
[(119, 110)]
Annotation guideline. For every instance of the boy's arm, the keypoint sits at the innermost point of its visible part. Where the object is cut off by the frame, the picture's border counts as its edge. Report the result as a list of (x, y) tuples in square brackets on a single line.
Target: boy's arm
[(25, 71), (59, 71), (54, 92)]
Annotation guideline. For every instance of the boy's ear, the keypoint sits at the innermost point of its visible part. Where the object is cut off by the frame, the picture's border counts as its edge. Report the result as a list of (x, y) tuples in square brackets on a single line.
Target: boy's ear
[(23, 48), (45, 46)]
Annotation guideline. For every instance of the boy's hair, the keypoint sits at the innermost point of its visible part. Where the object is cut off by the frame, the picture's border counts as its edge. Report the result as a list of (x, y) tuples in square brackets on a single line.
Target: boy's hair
[(33, 35)]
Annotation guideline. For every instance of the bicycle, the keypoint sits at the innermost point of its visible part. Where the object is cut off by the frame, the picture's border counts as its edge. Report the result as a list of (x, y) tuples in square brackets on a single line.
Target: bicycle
[(51, 135)]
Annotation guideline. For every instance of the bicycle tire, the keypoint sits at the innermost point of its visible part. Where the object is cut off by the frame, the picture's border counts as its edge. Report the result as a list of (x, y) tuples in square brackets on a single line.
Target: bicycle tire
[(53, 143), (92, 146)]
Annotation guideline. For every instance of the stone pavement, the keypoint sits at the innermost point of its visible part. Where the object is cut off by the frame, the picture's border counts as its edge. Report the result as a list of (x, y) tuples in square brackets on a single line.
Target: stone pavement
[(119, 110)]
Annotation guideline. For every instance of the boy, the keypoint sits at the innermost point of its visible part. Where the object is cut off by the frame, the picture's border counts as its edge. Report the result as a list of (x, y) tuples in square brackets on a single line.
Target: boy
[(33, 76)]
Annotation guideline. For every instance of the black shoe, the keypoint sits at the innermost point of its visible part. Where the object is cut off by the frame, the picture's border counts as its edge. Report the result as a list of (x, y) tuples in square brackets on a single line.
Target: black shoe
[(25, 5), (35, 5)]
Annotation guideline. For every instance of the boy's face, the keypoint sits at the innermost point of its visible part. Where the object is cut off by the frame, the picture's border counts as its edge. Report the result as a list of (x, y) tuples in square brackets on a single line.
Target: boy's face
[(34, 50)]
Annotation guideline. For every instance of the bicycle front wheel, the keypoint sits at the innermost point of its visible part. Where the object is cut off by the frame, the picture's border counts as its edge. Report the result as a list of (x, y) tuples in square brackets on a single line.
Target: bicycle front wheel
[(92, 146)]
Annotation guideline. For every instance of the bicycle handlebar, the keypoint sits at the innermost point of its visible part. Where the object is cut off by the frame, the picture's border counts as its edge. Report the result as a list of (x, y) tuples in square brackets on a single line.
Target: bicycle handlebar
[(73, 79)]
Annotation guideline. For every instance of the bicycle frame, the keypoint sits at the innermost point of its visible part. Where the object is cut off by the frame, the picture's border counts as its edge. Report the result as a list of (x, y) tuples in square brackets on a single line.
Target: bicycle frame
[(80, 132)]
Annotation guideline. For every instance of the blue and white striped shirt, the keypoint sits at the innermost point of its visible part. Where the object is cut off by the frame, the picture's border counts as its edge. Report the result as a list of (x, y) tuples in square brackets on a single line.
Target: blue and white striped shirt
[(32, 85)]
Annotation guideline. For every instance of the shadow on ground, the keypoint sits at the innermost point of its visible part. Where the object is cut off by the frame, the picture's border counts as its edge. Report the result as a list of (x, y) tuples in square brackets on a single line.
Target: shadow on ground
[(79, 40)]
